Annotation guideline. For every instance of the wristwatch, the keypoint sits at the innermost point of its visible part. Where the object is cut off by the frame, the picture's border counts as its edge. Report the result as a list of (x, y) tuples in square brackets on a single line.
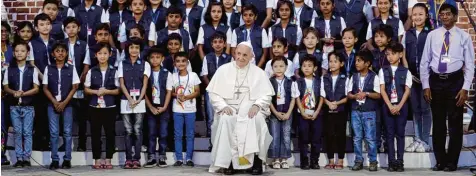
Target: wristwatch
[(367, 94)]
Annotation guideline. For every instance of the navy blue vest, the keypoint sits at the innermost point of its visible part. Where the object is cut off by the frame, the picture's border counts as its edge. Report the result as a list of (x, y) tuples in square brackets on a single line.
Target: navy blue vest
[(109, 83), (335, 25), (403, 10), (338, 93), (133, 74), (74, 3), (414, 49), (349, 64), (208, 31), (90, 19), (94, 61), (62, 14), (162, 83), (235, 20), (57, 32), (115, 22), (316, 54), (380, 60), (144, 22), (287, 91), (255, 37), (9, 53), (168, 63), (392, 21), (66, 80), (400, 79), (158, 17), (212, 64), (79, 54), (163, 35), (316, 88), (291, 36), (370, 104), (41, 53), (261, 6), (193, 18), (352, 13), (305, 17), (14, 83)]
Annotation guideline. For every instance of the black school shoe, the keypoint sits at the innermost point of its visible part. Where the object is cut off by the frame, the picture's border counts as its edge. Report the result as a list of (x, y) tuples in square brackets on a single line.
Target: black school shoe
[(400, 167), (257, 168), (450, 168), (5, 163), (18, 164), (392, 167), (162, 163), (373, 166), (438, 167), (315, 164), (358, 166), (66, 164), (178, 163), (190, 163), (26, 163), (150, 163), (54, 165), (305, 163)]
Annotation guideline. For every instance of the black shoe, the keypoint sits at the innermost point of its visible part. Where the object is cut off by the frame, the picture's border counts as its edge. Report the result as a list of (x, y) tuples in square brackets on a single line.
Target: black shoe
[(358, 166), (66, 164), (400, 167), (229, 170), (450, 168), (305, 163), (26, 164), (190, 163), (178, 163), (315, 164), (391, 167), (54, 165), (81, 149), (18, 164), (162, 163), (438, 167), (373, 166), (257, 168), (151, 163), (5, 163)]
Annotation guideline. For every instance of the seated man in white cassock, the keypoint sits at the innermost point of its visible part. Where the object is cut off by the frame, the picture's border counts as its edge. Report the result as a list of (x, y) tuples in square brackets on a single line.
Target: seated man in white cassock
[(240, 93)]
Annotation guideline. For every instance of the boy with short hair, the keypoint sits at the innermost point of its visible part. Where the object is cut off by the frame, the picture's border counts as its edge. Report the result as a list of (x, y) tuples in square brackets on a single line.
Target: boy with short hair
[(211, 62), (101, 35), (174, 21), (174, 42), (41, 45), (363, 92), (159, 92), (89, 15), (51, 8)]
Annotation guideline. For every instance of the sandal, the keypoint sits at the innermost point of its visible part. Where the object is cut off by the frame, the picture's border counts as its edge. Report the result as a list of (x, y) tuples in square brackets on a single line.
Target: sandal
[(276, 165), (108, 166), (136, 165), (338, 167), (128, 165), (98, 166), (284, 165), (329, 166)]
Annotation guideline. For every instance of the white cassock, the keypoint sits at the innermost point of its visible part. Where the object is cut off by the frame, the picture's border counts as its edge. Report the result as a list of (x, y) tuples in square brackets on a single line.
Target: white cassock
[(237, 138)]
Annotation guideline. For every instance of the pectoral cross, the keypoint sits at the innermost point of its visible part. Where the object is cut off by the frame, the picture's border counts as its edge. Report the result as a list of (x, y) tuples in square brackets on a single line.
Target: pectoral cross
[(237, 94)]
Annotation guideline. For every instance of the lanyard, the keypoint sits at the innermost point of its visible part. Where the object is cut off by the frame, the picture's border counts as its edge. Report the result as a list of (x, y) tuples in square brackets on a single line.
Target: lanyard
[(280, 89), (247, 37), (297, 13), (362, 83), (154, 15), (350, 60), (351, 6), (186, 85)]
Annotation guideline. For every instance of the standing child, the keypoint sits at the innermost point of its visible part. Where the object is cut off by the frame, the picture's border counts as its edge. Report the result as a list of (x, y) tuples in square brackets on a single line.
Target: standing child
[(285, 28), (186, 87), (24, 32), (386, 17), (357, 14), (138, 17), (309, 102), (60, 82), (336, 118), (349, 39), (102, 84), (157, 13), (174, 44), (234, 19), (159, 92), (303, 14), (118, 13), (89, 16), (280, 47), (330, 25), (133, 75), (42, 44), (215, 21), (174, 25), (309, 45), (264, 11), (193, 18), (21, 82), (414, 41), (211, 62), (363, 92), (382, 38), (395, 84), (282, 110), (102, 35)]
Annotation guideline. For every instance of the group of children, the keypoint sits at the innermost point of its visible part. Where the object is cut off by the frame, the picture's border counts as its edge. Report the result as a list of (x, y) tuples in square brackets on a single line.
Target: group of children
[(136, 59)]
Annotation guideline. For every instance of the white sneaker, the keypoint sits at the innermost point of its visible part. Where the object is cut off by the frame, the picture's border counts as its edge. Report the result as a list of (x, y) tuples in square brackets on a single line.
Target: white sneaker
[(426, 146), (412, 146), (420, 148)]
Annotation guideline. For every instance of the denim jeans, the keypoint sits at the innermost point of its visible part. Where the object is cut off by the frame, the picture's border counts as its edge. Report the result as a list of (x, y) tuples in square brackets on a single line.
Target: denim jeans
[(421, 114), (22, 120), (210, 114), (54, 119), (395, 125), (133, 125), (179, 120), (363, 124), (162, 120), (4, 134), (281, 131)]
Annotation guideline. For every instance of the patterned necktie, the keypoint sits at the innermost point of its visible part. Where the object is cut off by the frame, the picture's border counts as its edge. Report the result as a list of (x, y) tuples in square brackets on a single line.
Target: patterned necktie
[(442, 67)]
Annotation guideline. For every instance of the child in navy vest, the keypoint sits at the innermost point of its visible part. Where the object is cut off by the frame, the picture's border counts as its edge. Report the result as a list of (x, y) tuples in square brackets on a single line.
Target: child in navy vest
[(139, 32), (41, 45), (280, 46), (50, 7), (118, 13), (382, 38), (20, 82), (60, 82), (349, 39), (252, 33), (174, 44), (211, 62), (400, 9), (356, 14), (329, 25), (174, 23), (309, 102), (158, 96), (264, 10), (186, 88), (102, 84), (213, 24), (138, 17), (157, 13), (133, 75), (303, 14), (234, 19), (193, 18), (285, 28), (89, 15), (386, 17), (309, 45), (101, 35), (282, 109), (363, 92), (395, 84), (335, 110), (414, 42)]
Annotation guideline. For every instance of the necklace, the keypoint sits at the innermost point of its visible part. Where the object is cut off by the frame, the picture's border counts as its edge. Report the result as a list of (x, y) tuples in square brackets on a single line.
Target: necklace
[(238, 93)]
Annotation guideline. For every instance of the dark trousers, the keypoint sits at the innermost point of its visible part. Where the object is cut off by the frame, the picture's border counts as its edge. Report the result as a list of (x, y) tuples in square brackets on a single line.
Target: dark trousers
[(81, 116), (310, 131), (4, 133), (395, 128), (41, 136), (380, 132), (335, 129), (103, 118), (443, 106), (157, 127)]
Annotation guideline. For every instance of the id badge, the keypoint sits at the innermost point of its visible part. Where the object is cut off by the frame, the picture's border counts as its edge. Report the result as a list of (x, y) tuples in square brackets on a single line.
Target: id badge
[(393, 97), (90, 31), (58, 97), (135, 92), (445, 59), (101, 102), (185, 25), (361, 101), (155, 96), (309, 112)]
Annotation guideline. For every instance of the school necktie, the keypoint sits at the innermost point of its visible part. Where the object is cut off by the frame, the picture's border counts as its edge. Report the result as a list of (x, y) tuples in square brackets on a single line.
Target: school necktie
[(442, 66)]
